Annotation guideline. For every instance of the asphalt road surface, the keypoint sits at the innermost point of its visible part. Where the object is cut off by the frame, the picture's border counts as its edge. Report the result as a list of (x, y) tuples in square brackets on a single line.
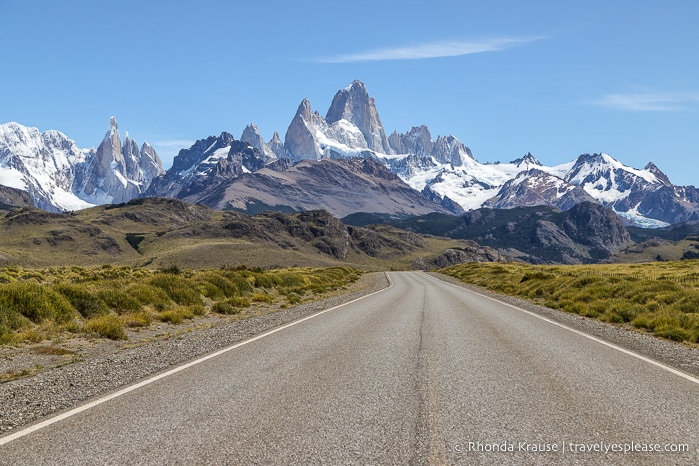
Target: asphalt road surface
[(424, 372)]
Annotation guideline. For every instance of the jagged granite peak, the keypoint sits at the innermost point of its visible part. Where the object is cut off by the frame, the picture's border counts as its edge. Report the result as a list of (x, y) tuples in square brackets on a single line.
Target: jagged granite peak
[(417, 141), (132, 155), (354, 104), (277, 146), (206, 164), (116, 173), (251, 135), (527, 160), (302, 136), (662, 177), (448, 149), (105, 176), (187, 159), (150, 162), (305, 109)]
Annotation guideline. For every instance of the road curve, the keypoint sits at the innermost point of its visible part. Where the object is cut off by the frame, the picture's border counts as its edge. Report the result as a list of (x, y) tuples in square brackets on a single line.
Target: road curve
[(424, 372)]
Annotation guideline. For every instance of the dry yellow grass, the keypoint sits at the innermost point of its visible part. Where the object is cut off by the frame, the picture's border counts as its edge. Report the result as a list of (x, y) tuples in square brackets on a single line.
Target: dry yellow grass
[(660, 297)]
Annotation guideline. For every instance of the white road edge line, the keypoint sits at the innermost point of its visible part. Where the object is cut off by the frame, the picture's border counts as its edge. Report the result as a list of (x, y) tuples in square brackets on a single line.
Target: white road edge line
[(143, 383), (606, 343)]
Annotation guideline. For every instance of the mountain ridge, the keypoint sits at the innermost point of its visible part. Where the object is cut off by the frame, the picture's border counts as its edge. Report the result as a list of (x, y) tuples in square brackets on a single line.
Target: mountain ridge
[(443, 170), (59, 176)]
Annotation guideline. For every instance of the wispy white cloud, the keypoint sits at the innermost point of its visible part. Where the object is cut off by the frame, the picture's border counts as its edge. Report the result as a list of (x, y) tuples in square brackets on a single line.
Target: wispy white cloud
[(649, 101), (172, 145), (448, 48)]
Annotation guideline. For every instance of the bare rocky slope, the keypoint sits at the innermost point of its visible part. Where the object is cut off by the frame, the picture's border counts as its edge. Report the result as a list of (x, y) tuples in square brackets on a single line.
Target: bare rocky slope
[(586, 233)]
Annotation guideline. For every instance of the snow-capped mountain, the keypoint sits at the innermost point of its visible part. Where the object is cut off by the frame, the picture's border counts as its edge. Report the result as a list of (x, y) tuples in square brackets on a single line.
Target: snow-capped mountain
[(202, 167), (445, 168), (536, 187), (116, 173), (42, 164), (271, 150), (59, 176)]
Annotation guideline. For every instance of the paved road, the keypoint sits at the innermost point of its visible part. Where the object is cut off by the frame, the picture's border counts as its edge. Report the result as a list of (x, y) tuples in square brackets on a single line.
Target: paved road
[(423, 372)]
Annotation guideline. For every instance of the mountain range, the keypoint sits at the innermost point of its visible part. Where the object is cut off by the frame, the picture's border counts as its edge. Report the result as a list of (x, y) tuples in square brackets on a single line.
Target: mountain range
[(58, 176), (344, 162)]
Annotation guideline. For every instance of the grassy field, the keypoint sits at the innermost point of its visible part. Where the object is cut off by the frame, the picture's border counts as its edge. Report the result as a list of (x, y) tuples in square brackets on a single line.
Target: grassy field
[(39, 304), (661, 298)]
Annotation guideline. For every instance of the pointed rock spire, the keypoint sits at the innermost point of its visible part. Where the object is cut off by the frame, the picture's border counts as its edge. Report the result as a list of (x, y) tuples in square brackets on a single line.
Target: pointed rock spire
[(251, 135), (651, 167), (277, 146), (354, 104), (117, 173), (301, 140)]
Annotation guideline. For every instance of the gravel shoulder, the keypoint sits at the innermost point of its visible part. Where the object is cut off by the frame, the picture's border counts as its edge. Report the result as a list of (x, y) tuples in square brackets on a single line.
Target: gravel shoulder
[(672, 354), (63, 375)]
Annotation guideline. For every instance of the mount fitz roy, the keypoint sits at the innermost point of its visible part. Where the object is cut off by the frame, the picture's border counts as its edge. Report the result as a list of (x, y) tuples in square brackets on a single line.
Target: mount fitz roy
[(344, 162)]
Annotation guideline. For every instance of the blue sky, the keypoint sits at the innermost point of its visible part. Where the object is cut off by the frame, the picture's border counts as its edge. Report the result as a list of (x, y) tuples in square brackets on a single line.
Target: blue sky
[(504, 76)]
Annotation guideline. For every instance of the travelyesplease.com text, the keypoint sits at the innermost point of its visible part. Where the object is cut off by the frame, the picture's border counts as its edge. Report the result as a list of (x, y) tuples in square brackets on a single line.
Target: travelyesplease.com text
[(567, 447)]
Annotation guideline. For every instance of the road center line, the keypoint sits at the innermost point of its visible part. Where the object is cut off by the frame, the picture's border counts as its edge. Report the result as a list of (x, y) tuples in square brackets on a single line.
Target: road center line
[(590, 337), (143, 383)]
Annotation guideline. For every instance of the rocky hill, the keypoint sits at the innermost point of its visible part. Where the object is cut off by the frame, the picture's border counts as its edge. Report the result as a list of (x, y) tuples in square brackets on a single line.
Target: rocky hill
[(159, 232), (586, 233)]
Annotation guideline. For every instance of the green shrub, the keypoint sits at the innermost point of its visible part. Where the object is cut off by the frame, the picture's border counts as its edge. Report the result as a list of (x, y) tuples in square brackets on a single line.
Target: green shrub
[(611, 316), (179, 289), (672, 333), (573, 307), (11, 319), (149, 295), (262, 298), (688, 304), (120, 300), (239, 302), (108, 326), (177, 316), (230, 306), (293, 298), (197, 309), (137, 319), (265, 280), (216, 286), (86, 303), (222, 307), (36, 302), (629, 311), (535, 276)]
